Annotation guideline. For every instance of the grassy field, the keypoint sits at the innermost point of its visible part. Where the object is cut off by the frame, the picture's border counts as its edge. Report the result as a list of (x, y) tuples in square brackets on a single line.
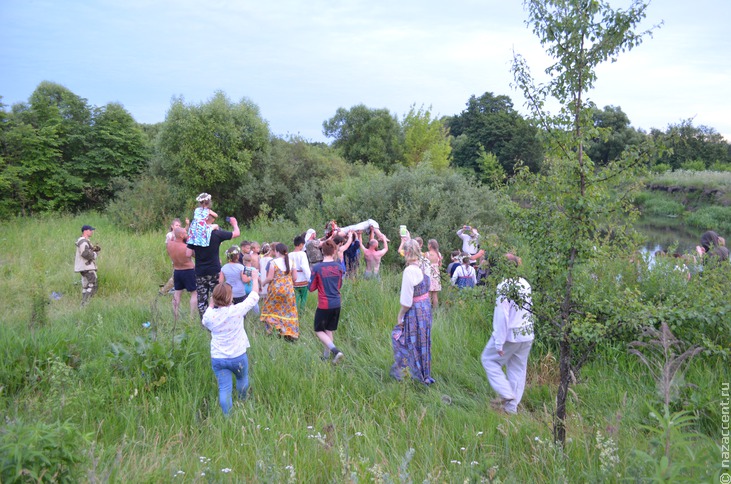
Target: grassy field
[(94, 395), (699, 180)]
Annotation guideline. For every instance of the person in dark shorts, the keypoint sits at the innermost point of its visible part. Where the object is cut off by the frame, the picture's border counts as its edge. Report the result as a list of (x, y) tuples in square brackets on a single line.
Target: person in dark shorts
[(183, 271), (327, 279)]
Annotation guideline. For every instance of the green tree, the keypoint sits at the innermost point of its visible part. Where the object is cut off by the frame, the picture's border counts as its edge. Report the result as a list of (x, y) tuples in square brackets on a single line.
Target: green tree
[(574, 221), (492, 122), (209, 147), (614, 135), (426, 140), (292, 175), (688, 143), (366, 135), (493, 174), (115, 147), (44, 139)]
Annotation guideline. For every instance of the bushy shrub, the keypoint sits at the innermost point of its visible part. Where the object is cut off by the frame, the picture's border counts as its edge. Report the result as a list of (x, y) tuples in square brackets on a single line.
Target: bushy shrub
[(148, 204), (291, 176), (661, 205), (40, 452), (695, 165), (661, 168), (719, 166), (711, 218), (431, 204)]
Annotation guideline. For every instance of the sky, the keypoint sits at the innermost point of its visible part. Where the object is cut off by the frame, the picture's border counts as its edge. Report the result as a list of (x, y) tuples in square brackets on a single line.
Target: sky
[(299, 61)]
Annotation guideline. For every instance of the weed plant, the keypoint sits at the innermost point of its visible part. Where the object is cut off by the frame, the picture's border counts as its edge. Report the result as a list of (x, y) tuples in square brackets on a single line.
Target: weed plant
[(139, 404)]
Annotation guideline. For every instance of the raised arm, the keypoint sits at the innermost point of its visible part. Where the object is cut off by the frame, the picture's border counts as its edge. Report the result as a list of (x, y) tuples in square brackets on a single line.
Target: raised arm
[(236, 232)]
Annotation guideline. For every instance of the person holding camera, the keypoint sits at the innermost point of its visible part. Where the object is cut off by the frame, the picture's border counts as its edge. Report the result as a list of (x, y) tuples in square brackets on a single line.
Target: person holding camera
[(85, 263), (470, 242)]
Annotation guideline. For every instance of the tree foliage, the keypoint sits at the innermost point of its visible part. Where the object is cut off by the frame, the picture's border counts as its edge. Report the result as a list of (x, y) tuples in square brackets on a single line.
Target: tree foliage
[(209, 147), (292, 176), (366, 135), (614, 135), (426, 140), (576, 215), (60, 154), (688, 143), (491, 123), (116, 148), (430, 203)]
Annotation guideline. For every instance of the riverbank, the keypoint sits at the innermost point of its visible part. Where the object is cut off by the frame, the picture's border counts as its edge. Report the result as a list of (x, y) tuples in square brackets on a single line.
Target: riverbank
[(678, 206)]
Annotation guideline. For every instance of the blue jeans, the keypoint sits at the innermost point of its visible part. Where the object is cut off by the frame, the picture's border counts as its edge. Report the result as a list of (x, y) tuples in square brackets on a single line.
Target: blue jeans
[(224, 368)]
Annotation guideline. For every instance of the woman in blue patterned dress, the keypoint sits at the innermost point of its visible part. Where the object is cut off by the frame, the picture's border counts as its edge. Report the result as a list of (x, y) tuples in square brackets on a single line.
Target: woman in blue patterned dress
[(411, 337)]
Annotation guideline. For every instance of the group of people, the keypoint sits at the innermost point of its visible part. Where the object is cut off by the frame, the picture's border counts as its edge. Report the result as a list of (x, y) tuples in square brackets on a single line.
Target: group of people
[(223, 294), (269, 275)]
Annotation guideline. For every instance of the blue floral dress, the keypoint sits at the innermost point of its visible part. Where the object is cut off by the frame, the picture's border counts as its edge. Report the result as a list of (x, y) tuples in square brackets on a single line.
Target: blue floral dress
[(412, 339), (199, 232)]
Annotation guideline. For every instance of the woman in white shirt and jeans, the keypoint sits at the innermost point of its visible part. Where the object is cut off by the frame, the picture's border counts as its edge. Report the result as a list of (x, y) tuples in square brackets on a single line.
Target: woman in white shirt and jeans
[(229, 341)]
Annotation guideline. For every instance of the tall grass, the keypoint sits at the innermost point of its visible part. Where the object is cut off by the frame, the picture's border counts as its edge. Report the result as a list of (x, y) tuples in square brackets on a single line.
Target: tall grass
[(305, 421), (702, 180)]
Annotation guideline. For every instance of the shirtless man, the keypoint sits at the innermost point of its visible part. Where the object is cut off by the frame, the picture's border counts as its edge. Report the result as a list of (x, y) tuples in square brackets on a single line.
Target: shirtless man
[(373, 257), (183, 271)]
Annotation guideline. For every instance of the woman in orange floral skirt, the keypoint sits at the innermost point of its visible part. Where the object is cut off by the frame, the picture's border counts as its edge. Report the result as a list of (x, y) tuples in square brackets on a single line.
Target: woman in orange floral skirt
[(279, 312)]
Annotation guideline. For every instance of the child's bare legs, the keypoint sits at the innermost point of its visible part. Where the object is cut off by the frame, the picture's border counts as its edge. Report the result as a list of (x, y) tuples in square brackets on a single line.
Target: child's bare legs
[(326, 337), (434, 295), (193, 304), (380, 234)]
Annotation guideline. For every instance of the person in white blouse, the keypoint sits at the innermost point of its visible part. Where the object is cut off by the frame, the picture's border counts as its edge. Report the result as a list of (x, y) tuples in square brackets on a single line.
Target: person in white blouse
[(464, 275), (301, 269), (511, 341), (411, 337), (229, 341)]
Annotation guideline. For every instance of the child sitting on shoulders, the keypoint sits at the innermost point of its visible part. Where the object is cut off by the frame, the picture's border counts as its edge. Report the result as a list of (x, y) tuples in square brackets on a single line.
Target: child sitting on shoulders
[(200, 230)]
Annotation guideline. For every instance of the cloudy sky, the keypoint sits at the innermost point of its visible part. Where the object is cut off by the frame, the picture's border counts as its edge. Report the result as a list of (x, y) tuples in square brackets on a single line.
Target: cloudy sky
[(299, 61)]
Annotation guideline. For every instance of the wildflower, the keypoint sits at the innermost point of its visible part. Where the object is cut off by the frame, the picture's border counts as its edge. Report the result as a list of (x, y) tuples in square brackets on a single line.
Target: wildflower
[(309, 427), (608, 452), (456, 462), (474, 463), (225, 470), (203, 474), (359, 434), (266, 428), (462, 449), (480, 433)]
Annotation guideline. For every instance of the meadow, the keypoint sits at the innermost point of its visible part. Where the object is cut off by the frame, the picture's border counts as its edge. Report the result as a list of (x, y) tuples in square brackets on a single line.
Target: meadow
[(97, 395)]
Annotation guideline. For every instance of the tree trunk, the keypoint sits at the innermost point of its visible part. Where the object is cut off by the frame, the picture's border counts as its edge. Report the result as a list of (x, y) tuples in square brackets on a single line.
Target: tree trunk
[(564, 365)]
